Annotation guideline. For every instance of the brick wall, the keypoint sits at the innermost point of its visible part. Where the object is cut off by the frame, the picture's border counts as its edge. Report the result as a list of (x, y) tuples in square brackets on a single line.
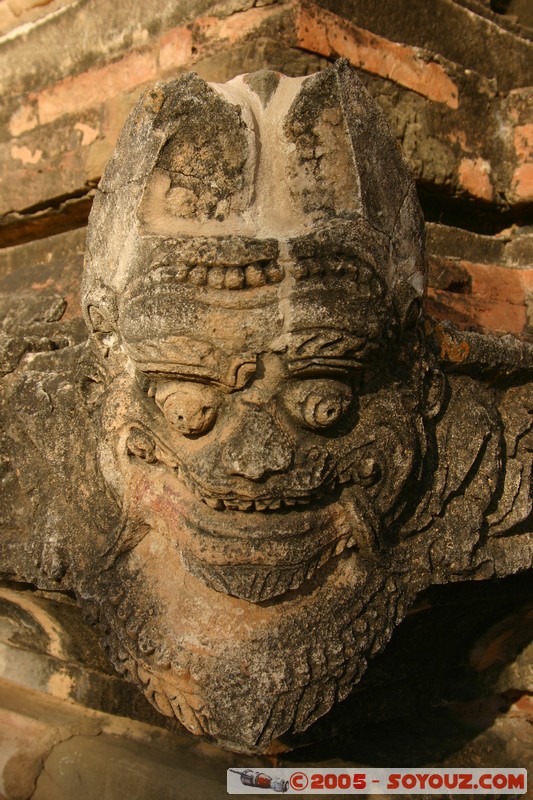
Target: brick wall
[(455, 85)]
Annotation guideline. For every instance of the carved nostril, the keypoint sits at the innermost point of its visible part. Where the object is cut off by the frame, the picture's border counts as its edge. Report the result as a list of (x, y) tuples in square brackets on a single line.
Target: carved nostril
[(258, 447)]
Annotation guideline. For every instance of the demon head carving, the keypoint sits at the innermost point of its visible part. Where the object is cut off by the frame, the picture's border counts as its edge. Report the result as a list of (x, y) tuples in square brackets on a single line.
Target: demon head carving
[(287, 464)]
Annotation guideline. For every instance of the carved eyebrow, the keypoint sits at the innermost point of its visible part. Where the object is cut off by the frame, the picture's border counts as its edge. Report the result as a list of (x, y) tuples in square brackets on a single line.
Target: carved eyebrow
[(169, 372), (330, 349), (326, 343), (336, 366), (236, 376)]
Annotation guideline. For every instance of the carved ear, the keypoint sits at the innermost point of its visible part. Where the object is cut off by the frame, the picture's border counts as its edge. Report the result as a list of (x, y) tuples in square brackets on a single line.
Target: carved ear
[(100, 307), (99, 322)]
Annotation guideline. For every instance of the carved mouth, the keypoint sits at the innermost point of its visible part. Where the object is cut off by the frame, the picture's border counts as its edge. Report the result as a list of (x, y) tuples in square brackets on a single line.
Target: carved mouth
[(260, 557), (261, 503)]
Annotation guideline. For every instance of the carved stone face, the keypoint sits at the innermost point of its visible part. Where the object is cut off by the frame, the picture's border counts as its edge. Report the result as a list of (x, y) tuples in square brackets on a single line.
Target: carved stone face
[(265, 414), (263, 419)]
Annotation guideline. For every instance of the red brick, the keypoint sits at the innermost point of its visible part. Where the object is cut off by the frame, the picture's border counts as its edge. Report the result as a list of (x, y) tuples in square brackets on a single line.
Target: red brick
[(95, 86), (323, 32), (233, 28), (467, 311), (522, 180), (474, 177), (25, 155), (24, 119), (496, 299), (175, 48)]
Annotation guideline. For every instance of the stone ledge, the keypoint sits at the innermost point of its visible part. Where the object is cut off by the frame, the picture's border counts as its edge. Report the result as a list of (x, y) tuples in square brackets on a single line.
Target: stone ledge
[(52, 748), (448, 27)]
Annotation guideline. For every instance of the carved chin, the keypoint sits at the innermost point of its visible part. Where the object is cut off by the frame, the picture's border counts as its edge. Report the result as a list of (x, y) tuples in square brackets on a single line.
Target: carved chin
[(242, 673), (260, 583)]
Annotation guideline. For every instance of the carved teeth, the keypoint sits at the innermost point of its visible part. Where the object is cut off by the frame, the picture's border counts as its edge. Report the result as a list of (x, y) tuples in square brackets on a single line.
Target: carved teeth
[(198, 276), (255, 276), (213, 502), (215, 277), (300, 271), (232, 505), (274, 504), (182, 271), (341, 544), (239, 505), (223, 277), (274, 273), (234, 278), (246, 504)]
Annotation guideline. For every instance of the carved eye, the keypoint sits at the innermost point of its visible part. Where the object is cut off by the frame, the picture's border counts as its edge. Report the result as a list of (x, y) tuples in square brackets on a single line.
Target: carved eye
[(319, 404), (189, 407)]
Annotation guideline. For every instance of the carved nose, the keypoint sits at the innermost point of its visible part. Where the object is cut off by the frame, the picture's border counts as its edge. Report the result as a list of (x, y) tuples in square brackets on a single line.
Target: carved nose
[(258, 447)]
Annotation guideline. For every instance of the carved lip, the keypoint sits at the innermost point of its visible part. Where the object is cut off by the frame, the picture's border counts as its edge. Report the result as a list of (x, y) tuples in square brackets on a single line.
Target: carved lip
[(259, 583), (261, 503), (287, 523)]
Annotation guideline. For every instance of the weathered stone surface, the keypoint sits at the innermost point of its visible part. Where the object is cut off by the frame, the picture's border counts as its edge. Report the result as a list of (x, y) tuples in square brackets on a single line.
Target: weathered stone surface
[(451, 29), (89, 767), (261, 455), (15, 14), (462, 136), (30, 726), (481, 281), (79, 35), (52, 748), (46, 647), (53, 265), (53, 743)]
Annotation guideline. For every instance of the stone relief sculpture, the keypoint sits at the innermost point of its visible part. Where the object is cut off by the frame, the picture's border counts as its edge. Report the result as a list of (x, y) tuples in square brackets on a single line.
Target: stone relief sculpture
[(260, 455)]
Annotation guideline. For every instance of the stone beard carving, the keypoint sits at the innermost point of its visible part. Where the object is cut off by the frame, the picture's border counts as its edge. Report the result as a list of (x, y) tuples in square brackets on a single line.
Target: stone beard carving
[(281, 465)]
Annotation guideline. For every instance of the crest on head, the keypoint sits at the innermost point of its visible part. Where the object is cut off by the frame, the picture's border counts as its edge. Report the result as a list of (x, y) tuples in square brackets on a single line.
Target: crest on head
[(245, 167)]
